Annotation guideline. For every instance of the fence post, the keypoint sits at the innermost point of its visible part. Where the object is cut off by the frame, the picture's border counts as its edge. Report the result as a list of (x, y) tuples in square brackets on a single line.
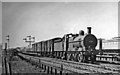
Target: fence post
[(60, 72), (6, 72), (66, 73), (61, 69), (42, 66), (10, 68), (39, 63), (51, 70), (45, 68), (55, 71), (5, 62), (48, 70)]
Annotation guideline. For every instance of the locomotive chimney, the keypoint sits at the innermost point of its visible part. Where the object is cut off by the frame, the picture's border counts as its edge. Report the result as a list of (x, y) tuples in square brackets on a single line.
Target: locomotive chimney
[(89, 30)]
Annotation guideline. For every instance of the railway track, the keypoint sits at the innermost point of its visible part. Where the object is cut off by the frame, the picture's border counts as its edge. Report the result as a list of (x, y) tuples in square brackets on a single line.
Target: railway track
[(86, 66), (99, 58), (77, 67), (108, 59)]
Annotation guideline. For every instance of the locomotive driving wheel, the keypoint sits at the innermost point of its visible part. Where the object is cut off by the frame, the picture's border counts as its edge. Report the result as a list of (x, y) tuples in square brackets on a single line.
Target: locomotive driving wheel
[(79, 57)]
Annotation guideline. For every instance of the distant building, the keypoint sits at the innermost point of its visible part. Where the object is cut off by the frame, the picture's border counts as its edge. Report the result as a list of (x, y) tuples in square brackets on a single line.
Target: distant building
[(113, 43)]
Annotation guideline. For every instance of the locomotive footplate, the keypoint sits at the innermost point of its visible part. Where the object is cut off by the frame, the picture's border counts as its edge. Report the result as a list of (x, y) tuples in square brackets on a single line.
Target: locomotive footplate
[(90, 56), (94, 52)]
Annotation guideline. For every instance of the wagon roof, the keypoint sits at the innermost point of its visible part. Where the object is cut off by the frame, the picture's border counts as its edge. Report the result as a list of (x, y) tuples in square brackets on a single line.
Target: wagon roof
[(57, 38)]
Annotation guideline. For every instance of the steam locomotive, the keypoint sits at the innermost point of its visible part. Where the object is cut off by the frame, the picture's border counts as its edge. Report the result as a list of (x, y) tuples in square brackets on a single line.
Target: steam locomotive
[(75, 47)]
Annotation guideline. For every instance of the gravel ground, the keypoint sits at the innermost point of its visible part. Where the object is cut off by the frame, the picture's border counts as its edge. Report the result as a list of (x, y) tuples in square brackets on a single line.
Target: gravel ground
[(22, 67)]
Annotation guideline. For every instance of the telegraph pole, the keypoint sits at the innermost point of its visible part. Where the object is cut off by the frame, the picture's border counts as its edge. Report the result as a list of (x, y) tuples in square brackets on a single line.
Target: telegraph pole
[(7, 60), (8, 40)]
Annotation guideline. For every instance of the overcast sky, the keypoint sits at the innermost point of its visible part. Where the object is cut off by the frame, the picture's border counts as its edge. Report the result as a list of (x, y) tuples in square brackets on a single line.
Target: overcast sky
[(0, 22), (46, 20)]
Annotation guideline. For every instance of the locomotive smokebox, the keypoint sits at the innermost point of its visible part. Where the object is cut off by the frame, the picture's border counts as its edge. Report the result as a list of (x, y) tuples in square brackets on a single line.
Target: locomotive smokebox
[(89, 30)]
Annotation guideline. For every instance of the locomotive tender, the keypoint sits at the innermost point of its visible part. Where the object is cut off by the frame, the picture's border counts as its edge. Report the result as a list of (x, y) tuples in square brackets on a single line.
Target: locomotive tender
[(76, 47)]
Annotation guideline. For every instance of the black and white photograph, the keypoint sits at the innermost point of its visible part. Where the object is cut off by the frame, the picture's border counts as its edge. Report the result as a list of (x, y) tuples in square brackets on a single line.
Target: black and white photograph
[(60, 37)]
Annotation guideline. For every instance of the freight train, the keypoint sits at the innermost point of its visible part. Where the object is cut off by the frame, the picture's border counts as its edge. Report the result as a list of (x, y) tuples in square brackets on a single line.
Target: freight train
[(76, 47)]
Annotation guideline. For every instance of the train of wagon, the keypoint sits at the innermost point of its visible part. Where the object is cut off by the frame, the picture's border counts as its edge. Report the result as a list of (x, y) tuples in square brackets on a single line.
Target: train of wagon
[(79, 47)]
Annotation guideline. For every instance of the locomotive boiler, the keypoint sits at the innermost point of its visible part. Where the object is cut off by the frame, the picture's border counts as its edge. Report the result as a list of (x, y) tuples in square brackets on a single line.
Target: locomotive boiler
[(76, 47)]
